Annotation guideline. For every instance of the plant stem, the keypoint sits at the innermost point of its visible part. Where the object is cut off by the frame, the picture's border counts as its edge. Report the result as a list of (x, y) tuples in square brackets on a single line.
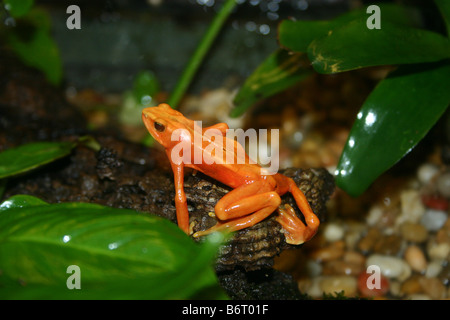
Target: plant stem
[(200, 52)]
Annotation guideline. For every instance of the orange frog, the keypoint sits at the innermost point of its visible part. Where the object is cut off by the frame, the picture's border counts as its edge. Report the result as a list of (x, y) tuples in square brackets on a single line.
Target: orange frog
[(255, 195)]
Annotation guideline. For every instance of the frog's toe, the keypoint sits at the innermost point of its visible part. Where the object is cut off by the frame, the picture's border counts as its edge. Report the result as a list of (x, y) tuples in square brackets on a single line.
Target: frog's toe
[(294, 229), (216, 228)]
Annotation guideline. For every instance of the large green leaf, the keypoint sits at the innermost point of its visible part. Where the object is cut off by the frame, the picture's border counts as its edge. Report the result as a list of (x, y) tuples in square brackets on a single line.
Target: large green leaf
[(120, 253), (394, 118), (32, 155), (20, 201), (444, 7), (355, 46), (297, 35), (18, 8), (278, 72)]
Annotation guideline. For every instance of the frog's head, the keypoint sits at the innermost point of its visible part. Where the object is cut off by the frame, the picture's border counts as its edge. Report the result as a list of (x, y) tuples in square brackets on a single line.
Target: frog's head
[(162, 121)]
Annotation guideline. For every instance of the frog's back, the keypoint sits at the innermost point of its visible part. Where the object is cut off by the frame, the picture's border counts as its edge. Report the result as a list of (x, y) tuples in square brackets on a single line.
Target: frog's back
[(232, 175)]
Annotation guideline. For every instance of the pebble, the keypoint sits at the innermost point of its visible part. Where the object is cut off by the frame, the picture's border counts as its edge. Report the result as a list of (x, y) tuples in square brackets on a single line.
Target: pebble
[(394, 288), (304, 284), (433, 219), (351, 263), (413, 232), (353, 234), (433, 288), (311, 286), (435, 201), (374, 215), (331, 252), (433, 269), (415, 257), (411, 286), (368, 241), (354, 257), (351, 239), (369, 288), (444, 275), (391, 267), (389, 244), (388, 219), (333, 232), (443, 184), (438, 251), (332, 284), (412, 207), (313, 268), (340, 267), (443, 235), (426, 172)]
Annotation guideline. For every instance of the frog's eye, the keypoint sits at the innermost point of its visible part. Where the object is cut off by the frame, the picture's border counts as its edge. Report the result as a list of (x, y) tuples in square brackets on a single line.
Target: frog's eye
[(159, 127)]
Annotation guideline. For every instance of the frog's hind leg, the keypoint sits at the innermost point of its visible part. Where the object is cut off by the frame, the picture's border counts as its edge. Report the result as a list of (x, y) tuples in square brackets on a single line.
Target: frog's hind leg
[(296, 232), (243, 207)]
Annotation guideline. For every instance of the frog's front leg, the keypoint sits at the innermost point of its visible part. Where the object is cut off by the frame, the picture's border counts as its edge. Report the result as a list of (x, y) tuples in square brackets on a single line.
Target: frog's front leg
[(180, 198), (244, 207)]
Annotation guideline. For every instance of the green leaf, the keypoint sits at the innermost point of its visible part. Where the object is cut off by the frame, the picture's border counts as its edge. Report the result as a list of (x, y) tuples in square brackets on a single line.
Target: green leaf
[(142, 95), (278, 72), (30, 156), (354, 46), (145, 87), (297, 35), (444, 7), (394, 118), (18, 8), (20, 201), (121, 254), (39, 51)]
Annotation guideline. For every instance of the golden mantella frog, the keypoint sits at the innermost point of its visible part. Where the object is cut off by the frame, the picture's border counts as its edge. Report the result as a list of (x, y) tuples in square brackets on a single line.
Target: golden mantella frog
[(255, 195)]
